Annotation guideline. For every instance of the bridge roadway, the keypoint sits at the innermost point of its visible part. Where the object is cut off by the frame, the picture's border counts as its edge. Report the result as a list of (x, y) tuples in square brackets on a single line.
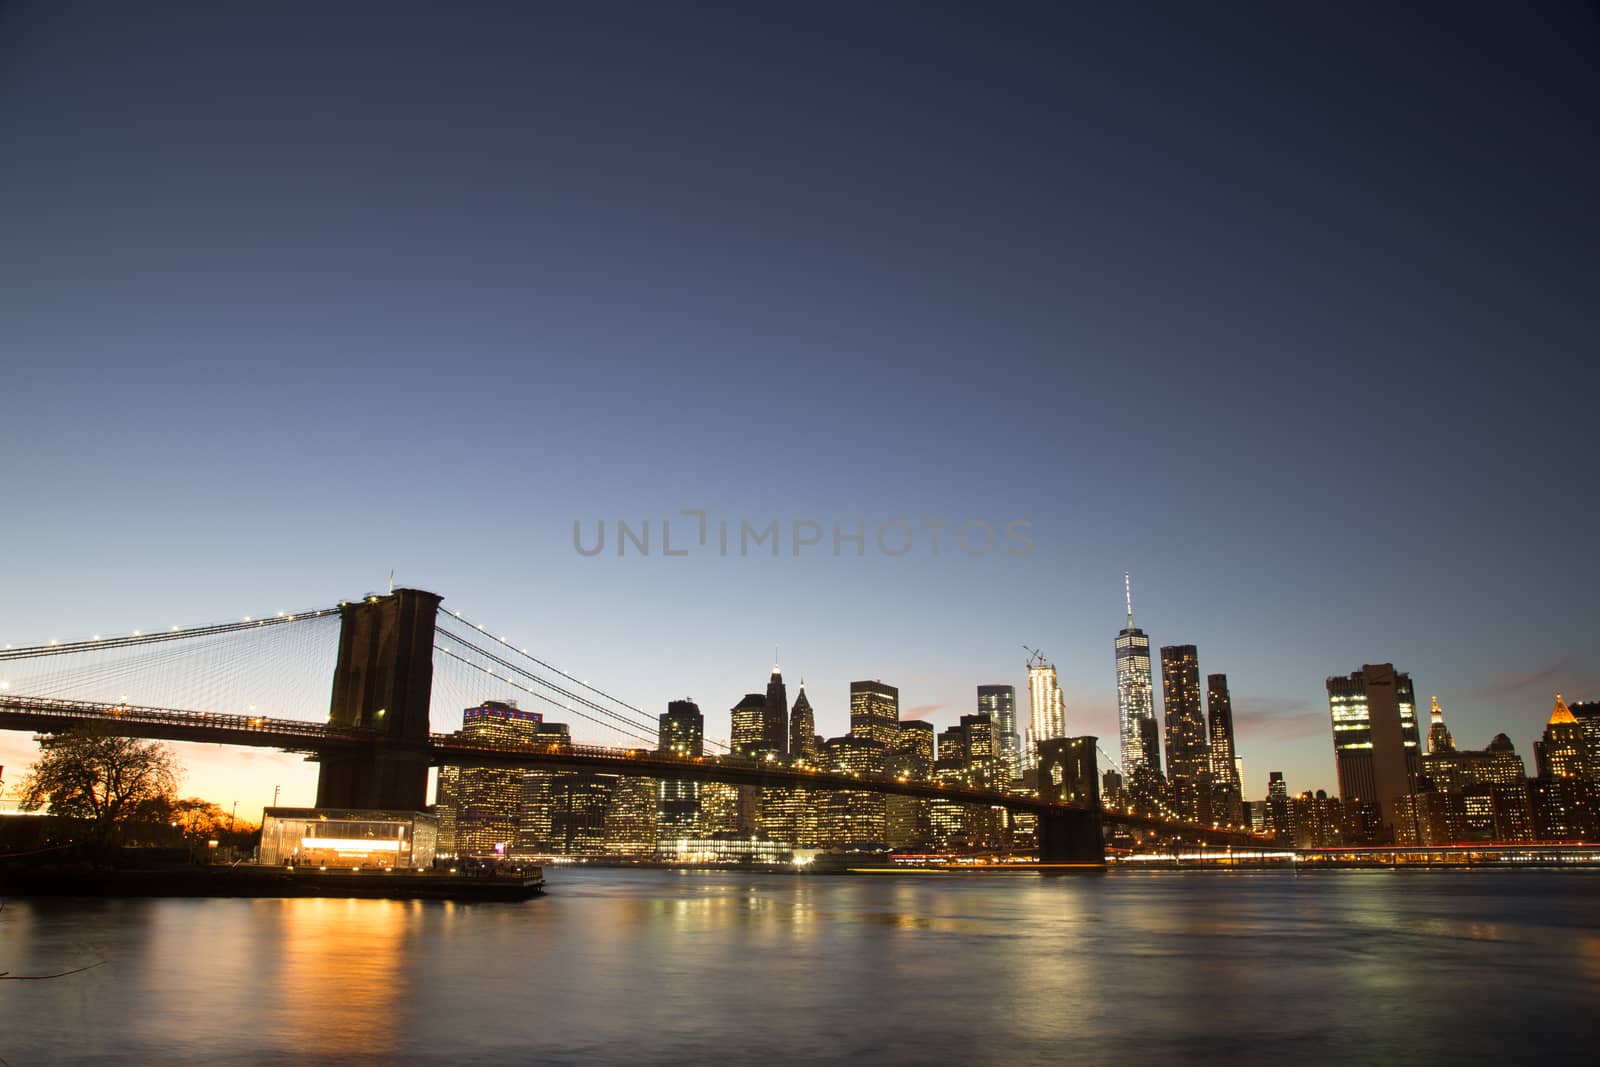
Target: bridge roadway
[(50, 715)]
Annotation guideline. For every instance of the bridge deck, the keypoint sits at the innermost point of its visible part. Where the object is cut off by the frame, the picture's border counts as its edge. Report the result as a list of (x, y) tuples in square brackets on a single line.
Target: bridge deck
[(49, 715)]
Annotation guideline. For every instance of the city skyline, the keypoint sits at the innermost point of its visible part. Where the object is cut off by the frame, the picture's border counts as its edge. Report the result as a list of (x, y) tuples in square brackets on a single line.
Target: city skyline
[(213, 762)]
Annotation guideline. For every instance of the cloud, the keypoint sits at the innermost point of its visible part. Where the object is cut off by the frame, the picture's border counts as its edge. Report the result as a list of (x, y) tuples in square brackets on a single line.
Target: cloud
[(1503, 683), (1279, 718), (921, 711)]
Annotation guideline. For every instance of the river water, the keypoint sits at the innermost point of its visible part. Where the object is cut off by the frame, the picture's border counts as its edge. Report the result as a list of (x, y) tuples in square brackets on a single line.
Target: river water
[(667, 967)]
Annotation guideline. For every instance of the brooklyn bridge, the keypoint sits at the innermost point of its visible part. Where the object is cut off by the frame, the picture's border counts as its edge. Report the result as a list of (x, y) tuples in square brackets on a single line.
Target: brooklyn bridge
[(264, 682)]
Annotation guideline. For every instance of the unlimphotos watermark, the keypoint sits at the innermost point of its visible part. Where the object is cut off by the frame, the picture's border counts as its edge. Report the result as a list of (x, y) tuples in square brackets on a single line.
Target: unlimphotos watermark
[(741, 537)]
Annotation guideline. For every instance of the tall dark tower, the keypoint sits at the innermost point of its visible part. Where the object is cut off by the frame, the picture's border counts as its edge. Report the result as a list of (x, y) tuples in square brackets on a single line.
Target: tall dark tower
[(802, 728), (682, 729), (775, 720), (1376, 747), (382, 682), (1224, 768), (1188, 765), (682, 733)]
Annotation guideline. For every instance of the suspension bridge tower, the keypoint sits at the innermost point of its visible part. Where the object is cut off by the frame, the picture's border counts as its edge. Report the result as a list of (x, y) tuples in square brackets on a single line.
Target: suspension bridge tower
[(381, 683)]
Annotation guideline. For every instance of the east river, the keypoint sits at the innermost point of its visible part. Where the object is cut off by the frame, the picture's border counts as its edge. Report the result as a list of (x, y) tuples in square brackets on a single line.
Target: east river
[(662, 967)]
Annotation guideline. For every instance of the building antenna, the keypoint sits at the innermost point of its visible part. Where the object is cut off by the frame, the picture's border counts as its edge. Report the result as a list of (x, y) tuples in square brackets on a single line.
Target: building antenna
[(1127, 584), (391, 583)]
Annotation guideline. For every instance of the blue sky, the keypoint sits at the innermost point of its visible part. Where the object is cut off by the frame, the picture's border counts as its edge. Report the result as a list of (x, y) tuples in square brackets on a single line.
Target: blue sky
[(1289, 312)]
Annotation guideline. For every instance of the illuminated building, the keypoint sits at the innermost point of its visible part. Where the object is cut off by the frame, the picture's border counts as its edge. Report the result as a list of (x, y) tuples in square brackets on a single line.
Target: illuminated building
[(447, 795), (1277, 808), (721, 810), (999, 702), (802, 729), (749, 736), (534, 828), (1316, 820), (1498, 811), (1564, 809), (775, 715), (778, 813), (913, 750), (982, 751), (1563, 751), (850, 816), (1111, 790), (579, 802), (1439, 739), (482, 808), (1429, 817), (907, 821), (632, 817), (966, 756), (1135, 696), (1564, 797), (725, 848), (1376, 746), (681, 731), (330, 837), (1587, 712), (1188, 761), (1226, 779), (875, 717), (1453, 769), (1047, 712)]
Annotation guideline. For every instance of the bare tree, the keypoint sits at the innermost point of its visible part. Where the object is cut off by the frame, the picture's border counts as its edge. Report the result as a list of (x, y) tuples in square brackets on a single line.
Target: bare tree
[(92, 774)]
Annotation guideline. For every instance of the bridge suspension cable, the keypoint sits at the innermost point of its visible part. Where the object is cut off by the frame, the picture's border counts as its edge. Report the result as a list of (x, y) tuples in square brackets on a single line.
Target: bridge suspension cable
[(621, 726), (175, 633), (272, 666), (625, 718)]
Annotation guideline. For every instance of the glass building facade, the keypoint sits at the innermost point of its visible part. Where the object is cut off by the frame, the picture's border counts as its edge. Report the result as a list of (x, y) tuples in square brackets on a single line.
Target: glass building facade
[(999, 702), (875, 717), (351, 839), (1135, 695)]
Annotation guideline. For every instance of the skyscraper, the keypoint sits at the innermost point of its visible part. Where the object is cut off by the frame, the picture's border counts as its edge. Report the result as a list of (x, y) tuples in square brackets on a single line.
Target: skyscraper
[(1278, 807), (1376, 746), (875, 715), (907, 818), (775, 715), (682, 733), (1046, 709), (849, 816), (802, 728), (999, 702), (1188, 764), (682, 729), (1135, 692), (1439, 739), (750, 726), (1225, 778), (482, 808), (1563, 751)]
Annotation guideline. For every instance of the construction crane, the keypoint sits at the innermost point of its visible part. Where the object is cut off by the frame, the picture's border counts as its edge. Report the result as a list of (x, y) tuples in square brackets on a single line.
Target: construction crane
[(1035, 657)]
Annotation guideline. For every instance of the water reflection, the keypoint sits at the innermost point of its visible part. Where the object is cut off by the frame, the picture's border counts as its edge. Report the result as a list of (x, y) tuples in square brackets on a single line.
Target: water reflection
[(342, 976), (726, 966)]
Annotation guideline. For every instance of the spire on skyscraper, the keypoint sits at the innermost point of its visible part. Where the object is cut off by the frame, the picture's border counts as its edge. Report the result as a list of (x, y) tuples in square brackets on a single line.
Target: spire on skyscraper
[(1439, 739), (1127, 585)]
